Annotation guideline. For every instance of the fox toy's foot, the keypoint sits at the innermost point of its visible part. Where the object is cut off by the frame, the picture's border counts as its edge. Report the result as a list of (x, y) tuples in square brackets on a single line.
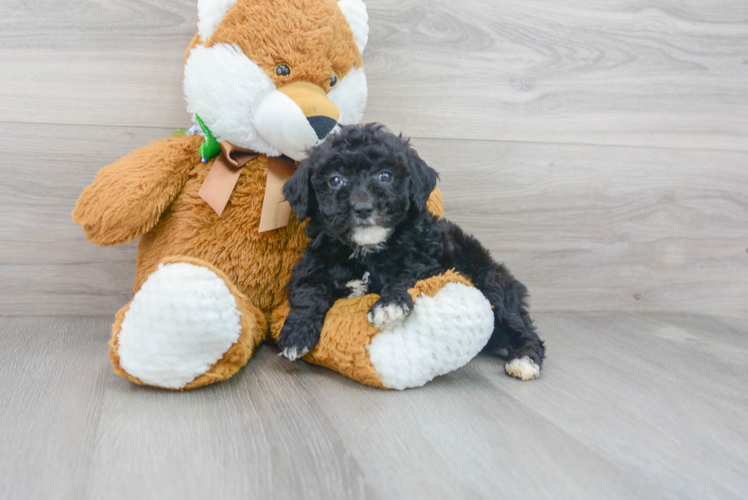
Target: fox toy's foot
[(186, 327), (450, 323)]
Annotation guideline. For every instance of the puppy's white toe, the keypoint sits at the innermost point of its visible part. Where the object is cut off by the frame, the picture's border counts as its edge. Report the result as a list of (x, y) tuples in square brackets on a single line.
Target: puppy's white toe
[(388, 316), (358, 288), (522, 368), (293, 353)]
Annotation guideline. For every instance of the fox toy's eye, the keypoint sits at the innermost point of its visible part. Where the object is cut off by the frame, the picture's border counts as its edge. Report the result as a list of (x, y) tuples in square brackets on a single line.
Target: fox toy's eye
[(334, 81), (385, 176), (335, 181), (282, 70)]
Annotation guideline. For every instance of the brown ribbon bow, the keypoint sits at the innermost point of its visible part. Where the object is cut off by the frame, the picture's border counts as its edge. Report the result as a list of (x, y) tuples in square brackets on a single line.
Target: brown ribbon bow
[(224, 174)]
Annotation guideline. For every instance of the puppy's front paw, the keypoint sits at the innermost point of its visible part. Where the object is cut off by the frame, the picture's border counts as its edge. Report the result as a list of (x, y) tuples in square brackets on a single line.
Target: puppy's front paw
[(298, 336), (294, 353), (388, 315)]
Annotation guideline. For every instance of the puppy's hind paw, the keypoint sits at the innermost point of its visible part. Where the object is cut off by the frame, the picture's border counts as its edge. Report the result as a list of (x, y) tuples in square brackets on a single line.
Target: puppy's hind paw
[(293, 353), (522, 368), (388, 316)]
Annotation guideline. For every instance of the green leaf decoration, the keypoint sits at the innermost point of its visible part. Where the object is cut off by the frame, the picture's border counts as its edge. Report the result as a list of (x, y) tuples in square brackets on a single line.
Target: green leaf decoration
[(210, 147)]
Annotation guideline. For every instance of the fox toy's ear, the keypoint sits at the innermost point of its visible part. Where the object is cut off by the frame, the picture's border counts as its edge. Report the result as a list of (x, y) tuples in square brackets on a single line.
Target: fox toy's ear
[(299, 193), (210, 13), (355, 12), (422, 179)]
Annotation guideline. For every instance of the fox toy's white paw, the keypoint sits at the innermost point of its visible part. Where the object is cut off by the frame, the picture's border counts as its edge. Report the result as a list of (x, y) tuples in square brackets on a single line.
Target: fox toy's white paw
[(441, 334), (181, 322)]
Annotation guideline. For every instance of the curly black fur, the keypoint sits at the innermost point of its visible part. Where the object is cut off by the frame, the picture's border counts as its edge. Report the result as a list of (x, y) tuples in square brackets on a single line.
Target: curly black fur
[(367, 181)]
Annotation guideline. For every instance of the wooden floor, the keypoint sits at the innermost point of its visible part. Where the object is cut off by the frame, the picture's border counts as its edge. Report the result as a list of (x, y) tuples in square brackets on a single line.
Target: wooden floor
[(599, 148), (628, 406)]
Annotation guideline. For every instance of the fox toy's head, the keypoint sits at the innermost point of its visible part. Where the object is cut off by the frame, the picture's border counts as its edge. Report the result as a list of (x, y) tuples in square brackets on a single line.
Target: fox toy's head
[(277, 76)]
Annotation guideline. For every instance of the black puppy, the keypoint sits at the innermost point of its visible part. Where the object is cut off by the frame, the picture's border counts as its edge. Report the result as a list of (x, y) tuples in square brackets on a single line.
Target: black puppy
[(365, 191)]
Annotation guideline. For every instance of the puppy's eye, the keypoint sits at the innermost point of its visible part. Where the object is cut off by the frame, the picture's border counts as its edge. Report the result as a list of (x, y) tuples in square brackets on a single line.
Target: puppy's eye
[(283, 69), (385, 176), (334, 81), (335, 181)]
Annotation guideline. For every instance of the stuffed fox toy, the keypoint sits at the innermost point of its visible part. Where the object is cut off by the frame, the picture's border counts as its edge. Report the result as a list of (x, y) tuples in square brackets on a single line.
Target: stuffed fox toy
[(264, 81)]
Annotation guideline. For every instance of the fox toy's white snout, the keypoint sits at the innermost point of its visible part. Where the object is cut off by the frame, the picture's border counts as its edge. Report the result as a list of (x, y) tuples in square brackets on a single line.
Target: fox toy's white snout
[(295, 118), (239, 103)]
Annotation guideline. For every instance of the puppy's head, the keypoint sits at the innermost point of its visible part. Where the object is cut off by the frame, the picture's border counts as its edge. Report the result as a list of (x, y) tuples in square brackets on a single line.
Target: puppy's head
[(360, 184)]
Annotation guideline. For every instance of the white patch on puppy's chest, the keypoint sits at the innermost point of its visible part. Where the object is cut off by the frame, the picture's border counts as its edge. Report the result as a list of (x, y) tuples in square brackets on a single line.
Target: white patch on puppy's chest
[(370, 235), (358, 288)]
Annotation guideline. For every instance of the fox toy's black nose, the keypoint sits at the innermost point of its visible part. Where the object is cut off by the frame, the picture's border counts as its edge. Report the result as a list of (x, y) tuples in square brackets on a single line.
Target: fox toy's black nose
[(363, 210), (322, 125)]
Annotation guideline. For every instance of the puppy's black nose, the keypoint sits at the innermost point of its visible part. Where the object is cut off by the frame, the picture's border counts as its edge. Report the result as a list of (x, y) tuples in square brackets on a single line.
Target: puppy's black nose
[(363, 210), (322, 125)]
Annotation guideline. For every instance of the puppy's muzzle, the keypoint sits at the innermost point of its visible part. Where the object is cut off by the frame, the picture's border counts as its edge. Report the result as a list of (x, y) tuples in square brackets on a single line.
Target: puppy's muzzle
[(363, 210)]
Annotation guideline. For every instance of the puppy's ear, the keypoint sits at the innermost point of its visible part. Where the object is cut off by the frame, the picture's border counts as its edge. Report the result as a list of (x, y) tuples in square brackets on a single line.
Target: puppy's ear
[(299, 193), (422, 179)]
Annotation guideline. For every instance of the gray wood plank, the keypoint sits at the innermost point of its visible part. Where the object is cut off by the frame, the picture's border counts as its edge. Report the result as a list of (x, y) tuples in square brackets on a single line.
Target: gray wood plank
[(619, 73), (605, 228), (54, 373), (670, 408), (43, 255), (585, 227), (258, 435), (70, 428), (661, 74), (624, 409), (462, 436), (730, 330)]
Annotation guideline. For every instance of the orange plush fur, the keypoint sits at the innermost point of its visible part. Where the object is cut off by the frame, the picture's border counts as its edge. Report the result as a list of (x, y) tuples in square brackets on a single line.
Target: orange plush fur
[(312, 37)]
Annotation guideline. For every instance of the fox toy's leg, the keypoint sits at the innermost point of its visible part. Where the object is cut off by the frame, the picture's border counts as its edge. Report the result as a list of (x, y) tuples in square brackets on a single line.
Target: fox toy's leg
[(450, 323), (186, 327)]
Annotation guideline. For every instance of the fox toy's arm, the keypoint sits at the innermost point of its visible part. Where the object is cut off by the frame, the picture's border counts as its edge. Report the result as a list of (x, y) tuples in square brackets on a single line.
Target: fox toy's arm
[(128, 197)]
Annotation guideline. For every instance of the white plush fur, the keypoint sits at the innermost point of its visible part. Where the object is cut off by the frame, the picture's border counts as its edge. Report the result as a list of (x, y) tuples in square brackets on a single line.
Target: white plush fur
[(442, 334), (180, 323), (386, 317), (210, 13), (281, 122), (523, 368), (350, 96), (370, 235), (225, 88), (358, 20)]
